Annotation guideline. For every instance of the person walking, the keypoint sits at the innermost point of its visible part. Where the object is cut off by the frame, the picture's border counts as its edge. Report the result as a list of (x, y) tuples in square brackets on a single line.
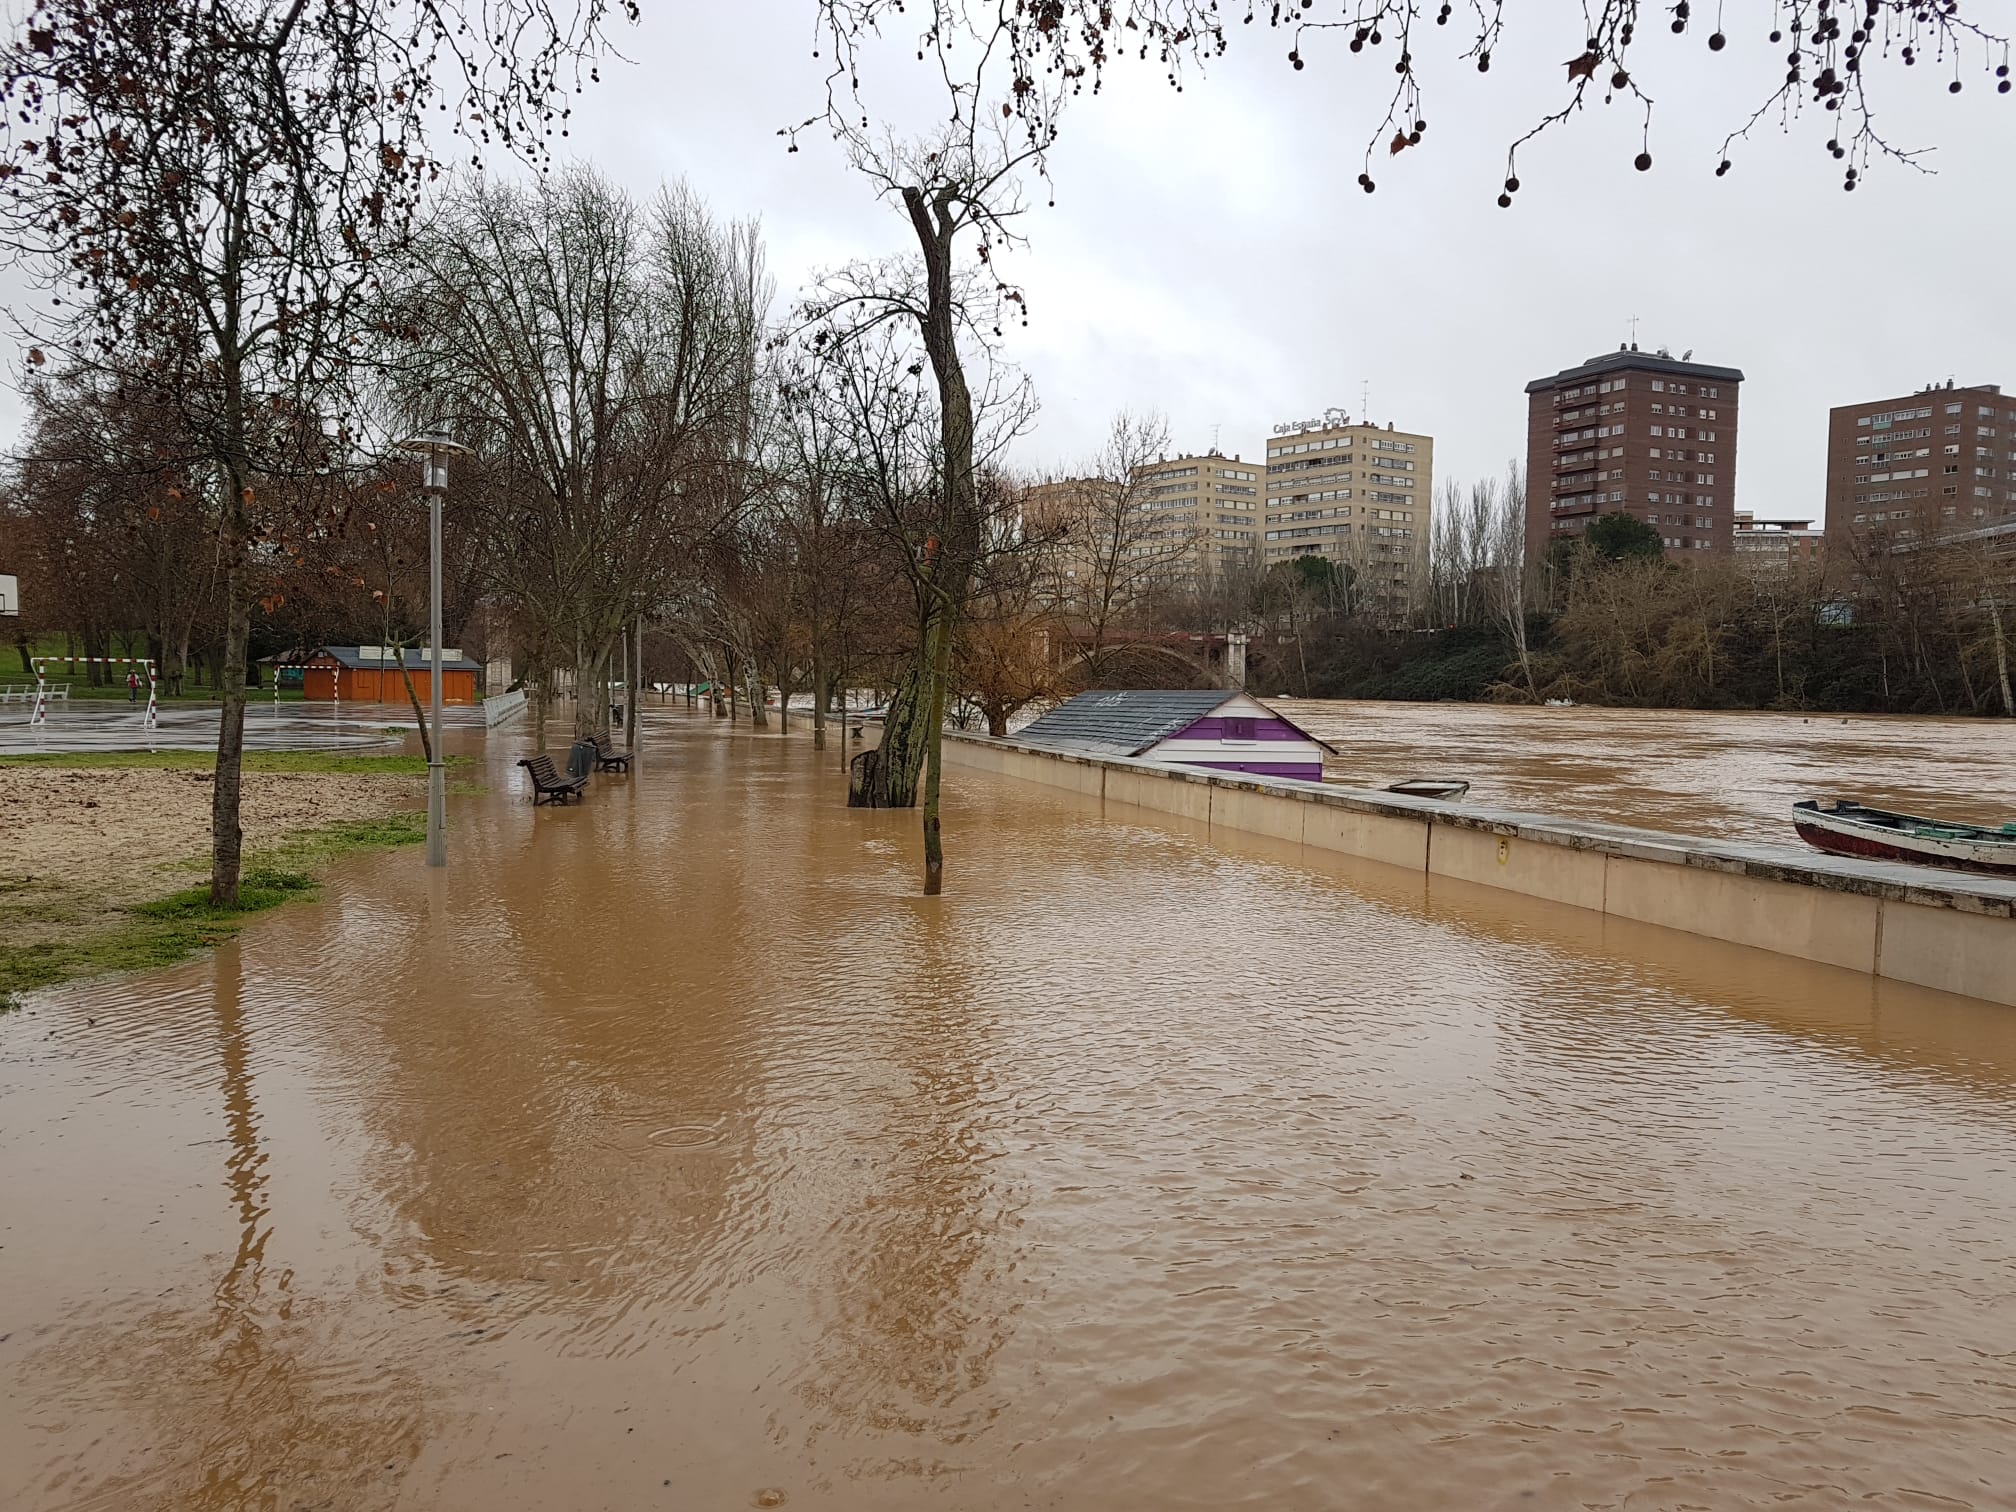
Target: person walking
[(132, 687)]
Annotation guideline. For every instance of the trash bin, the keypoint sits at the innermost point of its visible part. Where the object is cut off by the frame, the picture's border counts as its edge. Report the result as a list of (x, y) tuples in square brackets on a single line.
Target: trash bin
[(581, 759)]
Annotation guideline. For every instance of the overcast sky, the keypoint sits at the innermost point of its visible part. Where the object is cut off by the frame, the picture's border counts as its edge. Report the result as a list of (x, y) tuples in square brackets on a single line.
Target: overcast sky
[(1211, 255)]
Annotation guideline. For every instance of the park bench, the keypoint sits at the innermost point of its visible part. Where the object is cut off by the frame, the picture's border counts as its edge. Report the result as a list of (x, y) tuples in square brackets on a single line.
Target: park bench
[(548, 786), (607, 757)]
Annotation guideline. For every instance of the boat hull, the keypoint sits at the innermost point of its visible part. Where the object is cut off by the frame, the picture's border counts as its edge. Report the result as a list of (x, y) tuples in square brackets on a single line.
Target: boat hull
[(1424, 787), (1869, 842)]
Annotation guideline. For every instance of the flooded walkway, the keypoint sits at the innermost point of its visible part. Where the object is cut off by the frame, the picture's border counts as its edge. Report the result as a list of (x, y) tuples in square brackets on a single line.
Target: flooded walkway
[(669, 1152)]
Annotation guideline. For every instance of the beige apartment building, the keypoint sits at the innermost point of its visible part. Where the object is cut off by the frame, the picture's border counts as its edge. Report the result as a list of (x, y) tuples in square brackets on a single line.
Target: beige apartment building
[(1201, 515), (1358, 494)]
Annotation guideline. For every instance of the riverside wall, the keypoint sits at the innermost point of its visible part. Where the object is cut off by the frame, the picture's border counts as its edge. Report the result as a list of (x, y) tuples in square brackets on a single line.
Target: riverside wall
[(1945, 930)]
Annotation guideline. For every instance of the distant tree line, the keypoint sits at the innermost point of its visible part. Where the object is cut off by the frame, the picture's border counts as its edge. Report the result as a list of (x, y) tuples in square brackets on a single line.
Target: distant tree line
[(1913, 621)]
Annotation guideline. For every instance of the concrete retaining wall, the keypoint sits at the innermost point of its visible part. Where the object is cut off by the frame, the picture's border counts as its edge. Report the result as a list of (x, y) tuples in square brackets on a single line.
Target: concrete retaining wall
[(1945, 930), (499, 707)]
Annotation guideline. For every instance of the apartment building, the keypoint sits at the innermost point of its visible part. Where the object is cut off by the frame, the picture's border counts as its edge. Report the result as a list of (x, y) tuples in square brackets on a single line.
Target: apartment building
[(1640, 433), (1776, 546), (1201, 515), (1934, 462), (1358, 494)]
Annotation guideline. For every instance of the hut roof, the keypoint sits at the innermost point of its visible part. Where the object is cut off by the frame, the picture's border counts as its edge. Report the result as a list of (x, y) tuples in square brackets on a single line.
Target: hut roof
[(375, 657), (1126, 722)]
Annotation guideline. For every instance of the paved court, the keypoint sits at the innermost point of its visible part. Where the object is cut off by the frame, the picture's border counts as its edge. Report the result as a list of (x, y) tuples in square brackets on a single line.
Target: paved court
[(102, 726)]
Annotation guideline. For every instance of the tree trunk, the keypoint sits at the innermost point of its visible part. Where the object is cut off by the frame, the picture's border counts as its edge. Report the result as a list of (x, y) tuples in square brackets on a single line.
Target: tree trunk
[(950, 558), (819, 695), (413, 697), (2001, 655), (897, 764), (934, 839), (636, 693), (591, 691), (227, 840)]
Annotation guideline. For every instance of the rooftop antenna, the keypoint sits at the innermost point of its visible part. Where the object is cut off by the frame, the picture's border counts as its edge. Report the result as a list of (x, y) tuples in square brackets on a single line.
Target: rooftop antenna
[(1214, 439), (1634, 333), (1365, 402)]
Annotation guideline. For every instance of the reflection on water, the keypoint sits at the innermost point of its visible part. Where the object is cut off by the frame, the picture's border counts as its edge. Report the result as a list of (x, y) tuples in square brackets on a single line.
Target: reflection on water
[(1734, 776), (669, 1152)]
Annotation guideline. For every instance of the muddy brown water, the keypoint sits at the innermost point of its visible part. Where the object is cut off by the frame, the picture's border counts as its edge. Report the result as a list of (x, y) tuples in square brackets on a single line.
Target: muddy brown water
[(669, 1152), (1733, 776)]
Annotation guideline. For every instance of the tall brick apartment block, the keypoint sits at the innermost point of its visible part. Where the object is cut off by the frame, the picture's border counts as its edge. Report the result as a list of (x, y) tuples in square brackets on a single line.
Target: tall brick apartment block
[(1931, 463), (1637, 433)]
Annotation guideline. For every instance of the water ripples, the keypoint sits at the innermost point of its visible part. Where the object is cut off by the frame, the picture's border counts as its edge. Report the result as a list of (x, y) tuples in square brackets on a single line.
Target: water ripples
[(679, 1151)]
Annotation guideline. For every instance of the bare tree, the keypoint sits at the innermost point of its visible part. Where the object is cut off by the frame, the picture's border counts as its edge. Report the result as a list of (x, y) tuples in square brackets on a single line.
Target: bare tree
[(1119, 551), (1509, 574), (211, 188), (958, 191), (600, 356)]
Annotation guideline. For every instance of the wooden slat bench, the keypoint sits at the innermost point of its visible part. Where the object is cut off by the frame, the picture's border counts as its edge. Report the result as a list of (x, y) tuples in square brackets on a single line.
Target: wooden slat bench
[(607, 757), (548, 786)]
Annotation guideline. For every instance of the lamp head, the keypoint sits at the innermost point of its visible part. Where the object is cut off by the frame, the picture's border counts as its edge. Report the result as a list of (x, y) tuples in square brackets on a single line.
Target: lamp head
[(434, 449)]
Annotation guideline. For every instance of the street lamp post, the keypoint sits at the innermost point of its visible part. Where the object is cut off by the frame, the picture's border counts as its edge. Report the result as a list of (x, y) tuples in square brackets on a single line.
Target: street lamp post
[(436, 448)]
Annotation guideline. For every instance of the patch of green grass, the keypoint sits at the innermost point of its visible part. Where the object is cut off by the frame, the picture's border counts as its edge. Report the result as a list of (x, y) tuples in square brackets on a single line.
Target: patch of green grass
[(361, 764), (165, 930)]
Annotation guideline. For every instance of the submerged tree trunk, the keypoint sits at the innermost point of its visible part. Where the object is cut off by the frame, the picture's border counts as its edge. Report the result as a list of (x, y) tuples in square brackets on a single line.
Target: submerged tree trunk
[(934, 842), (819, 692), (894, 768)]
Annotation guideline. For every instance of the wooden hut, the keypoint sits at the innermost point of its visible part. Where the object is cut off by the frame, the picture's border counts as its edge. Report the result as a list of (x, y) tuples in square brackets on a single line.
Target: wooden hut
[(1224, 731), (371, 674)]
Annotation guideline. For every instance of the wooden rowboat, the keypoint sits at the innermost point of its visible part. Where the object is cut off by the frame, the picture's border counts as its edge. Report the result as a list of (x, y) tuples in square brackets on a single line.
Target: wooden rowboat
[(1846, 828), (1429, 787)]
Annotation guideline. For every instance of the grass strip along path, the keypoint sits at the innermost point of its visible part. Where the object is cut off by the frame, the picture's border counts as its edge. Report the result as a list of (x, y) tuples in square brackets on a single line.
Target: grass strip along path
[(103, 863)]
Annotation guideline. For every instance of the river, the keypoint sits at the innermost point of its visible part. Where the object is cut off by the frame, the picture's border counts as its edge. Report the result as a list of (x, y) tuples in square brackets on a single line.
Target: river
[(669, 1151), (1732, 776)]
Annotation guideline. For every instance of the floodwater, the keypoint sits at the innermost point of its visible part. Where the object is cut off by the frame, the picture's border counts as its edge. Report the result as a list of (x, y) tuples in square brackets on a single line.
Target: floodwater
[(1731, 776), (669, 1152)]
